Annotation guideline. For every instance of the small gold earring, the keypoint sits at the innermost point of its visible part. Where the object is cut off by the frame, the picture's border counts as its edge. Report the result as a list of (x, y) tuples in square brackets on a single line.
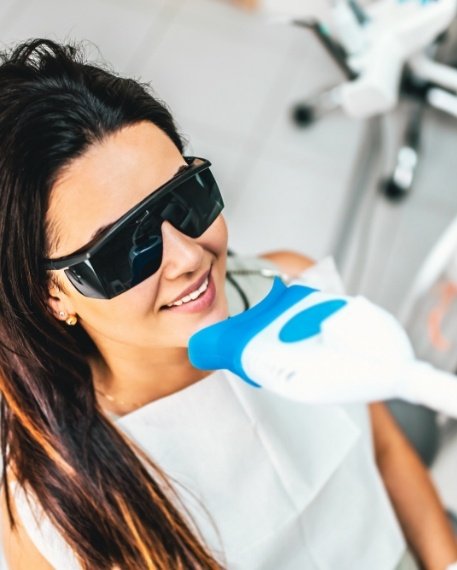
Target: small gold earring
[(72, 320)]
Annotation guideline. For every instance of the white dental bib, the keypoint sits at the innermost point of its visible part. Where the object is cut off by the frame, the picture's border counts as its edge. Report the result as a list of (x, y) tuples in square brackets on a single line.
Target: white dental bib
[(287, 486)]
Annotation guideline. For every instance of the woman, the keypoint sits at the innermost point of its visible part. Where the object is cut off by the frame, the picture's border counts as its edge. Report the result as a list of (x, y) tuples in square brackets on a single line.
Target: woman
[(112, 253)]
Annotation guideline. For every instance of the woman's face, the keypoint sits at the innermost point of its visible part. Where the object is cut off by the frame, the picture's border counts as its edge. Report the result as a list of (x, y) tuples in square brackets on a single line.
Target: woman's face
[(98, 188)]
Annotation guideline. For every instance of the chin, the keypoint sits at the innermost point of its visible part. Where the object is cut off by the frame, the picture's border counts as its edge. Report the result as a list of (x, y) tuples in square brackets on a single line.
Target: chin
[(216, 316)]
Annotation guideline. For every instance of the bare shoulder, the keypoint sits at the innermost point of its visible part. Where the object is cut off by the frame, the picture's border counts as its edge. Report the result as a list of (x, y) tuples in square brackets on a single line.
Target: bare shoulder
[(20, 552), (291, 262)]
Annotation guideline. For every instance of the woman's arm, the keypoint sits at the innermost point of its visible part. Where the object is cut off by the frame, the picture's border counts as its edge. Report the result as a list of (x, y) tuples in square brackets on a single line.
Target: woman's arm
[(412, 493), (20, 552)]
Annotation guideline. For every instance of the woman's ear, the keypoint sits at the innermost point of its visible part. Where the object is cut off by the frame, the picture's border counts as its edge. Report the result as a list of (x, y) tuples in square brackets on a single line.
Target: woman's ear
[(58, 302)]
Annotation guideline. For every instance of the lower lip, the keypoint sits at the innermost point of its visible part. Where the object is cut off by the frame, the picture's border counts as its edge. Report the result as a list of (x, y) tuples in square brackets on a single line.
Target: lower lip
[(202, 303)]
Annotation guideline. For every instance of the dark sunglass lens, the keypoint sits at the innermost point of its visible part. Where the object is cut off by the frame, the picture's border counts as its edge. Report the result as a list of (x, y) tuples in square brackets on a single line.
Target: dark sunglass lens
[(194, 205), (132, 256), (145, 255)]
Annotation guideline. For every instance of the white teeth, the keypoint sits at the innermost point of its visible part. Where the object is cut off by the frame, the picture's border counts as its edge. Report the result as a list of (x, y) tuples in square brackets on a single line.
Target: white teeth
[(192, 296)]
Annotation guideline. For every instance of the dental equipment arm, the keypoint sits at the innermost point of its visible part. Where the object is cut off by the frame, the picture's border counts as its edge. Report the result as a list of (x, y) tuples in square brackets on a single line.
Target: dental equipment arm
[(320, 348), (377, 40)]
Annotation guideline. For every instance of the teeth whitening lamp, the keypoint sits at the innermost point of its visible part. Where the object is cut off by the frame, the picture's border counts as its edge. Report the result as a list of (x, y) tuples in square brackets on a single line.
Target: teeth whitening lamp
[(322, 348)]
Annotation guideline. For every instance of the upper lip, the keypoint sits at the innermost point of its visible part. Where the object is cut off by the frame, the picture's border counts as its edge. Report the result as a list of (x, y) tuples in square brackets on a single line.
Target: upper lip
[(191, 288)]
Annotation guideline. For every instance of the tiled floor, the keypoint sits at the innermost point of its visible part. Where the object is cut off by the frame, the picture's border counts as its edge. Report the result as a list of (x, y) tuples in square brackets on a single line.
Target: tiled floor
[(230, 80)]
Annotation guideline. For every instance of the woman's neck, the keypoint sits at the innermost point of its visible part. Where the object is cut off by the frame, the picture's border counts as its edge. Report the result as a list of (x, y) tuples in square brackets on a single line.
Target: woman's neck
[(130, 378)]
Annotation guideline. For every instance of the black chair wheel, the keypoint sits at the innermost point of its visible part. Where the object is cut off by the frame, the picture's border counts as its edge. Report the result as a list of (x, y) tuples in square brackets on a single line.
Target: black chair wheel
[(393, 191), (303, 115)]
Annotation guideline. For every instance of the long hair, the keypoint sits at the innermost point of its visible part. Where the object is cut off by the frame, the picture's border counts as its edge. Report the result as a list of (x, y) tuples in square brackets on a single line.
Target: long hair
[(112, 505)]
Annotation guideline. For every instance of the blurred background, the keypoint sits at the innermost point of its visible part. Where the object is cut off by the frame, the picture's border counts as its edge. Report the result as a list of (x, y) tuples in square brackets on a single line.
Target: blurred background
[(245, 85)]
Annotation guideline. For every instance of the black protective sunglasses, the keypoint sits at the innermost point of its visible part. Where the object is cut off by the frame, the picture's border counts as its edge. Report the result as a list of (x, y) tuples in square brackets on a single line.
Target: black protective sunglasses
[(130, 251)]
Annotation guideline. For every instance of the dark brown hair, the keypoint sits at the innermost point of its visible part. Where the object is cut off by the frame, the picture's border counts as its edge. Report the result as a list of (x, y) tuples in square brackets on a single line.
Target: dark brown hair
[(110, 503)]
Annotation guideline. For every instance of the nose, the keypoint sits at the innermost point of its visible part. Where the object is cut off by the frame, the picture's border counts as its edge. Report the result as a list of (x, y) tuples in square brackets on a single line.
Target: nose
[(181, 253)]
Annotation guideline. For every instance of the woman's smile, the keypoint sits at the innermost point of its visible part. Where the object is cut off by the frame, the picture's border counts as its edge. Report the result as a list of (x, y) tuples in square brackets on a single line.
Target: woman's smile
[(197, 298)]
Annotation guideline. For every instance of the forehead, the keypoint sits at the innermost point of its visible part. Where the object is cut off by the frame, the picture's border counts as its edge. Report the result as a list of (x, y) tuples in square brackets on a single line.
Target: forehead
[(111, 177)]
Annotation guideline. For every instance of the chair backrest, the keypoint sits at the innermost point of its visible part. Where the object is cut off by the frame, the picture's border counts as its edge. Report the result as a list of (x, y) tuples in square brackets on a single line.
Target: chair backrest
[(429, 312)]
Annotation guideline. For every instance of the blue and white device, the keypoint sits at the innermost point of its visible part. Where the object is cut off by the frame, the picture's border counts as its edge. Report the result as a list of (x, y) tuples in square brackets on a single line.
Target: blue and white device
[(321, 348)]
